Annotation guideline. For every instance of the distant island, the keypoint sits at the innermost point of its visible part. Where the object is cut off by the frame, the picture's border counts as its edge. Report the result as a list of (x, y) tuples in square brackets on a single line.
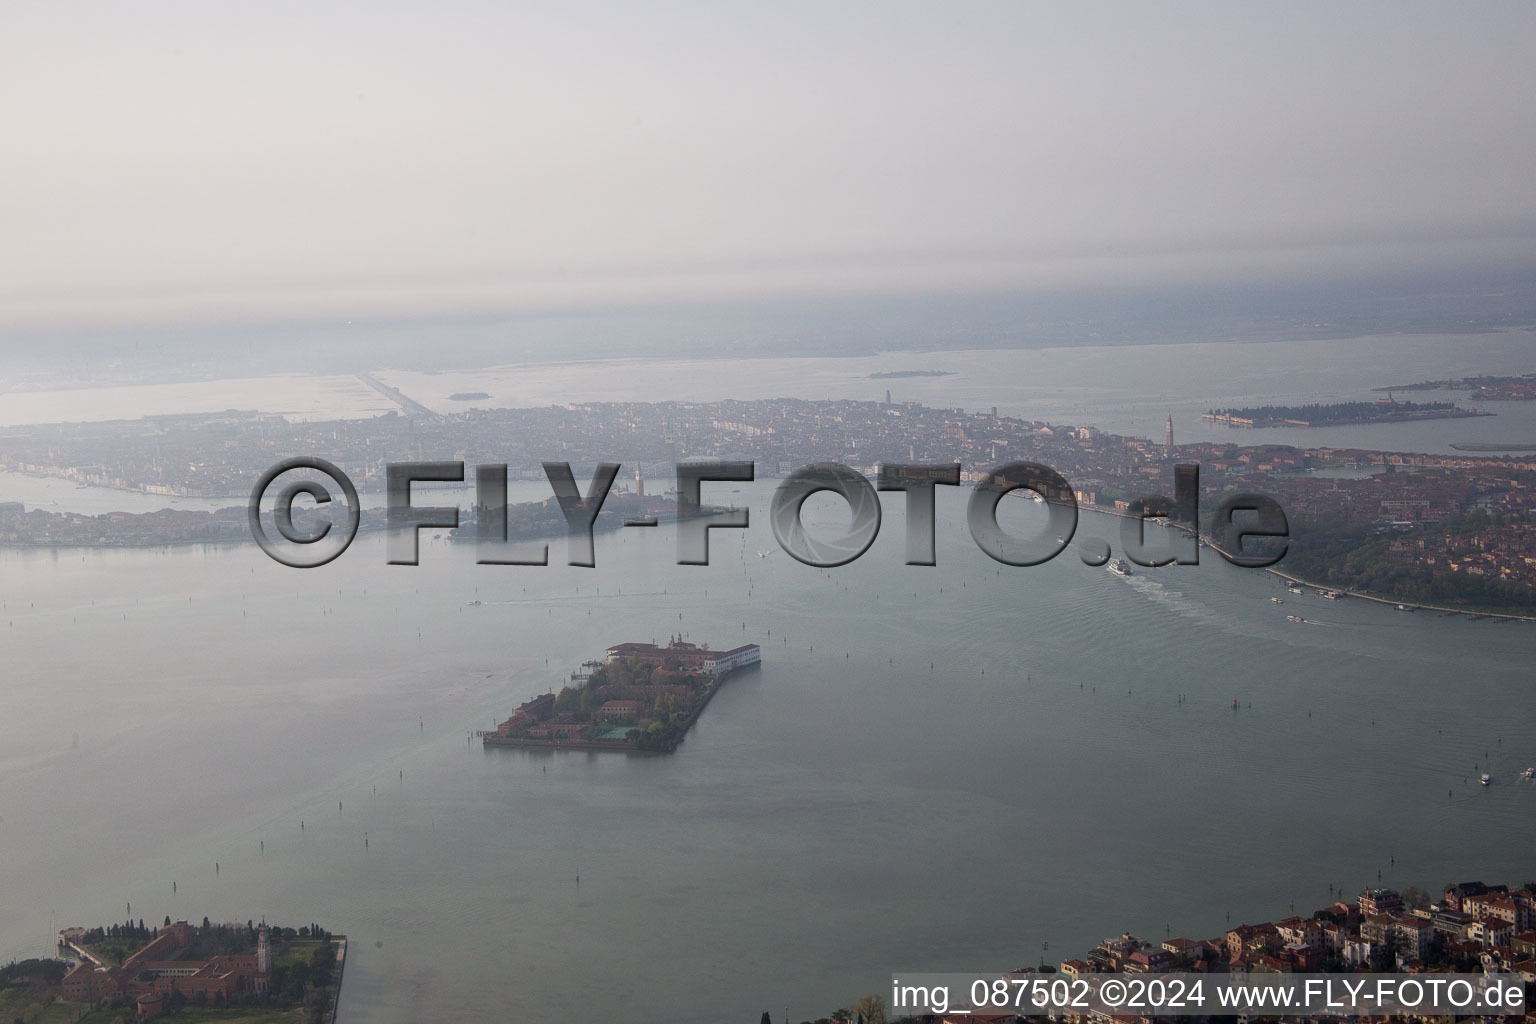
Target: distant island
[(897, 374), (1486, 388), (1493, 446), (467, 396), (240, 973), (533, 519), (1384, 410), (639, 697), (23, 527)]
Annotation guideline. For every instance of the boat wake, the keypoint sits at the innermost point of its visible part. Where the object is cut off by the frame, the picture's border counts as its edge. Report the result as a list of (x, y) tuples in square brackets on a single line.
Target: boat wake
[(1175, 601)]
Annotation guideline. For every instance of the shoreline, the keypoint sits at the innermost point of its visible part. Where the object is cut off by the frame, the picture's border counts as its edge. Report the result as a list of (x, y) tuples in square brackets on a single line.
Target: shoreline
[(1405, 605), (491, 739), (341, 967), (1232, 422)]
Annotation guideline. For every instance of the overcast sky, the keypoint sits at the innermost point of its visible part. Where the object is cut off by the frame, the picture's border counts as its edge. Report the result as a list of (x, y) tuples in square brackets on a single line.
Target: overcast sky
[(224, 161)]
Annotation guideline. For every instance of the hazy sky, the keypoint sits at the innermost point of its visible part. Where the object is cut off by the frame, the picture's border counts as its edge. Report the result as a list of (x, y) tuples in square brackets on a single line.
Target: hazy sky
[(205, 160)]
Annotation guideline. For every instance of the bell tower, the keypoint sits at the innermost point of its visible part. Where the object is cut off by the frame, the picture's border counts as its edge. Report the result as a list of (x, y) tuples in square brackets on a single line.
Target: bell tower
[(263, 958)]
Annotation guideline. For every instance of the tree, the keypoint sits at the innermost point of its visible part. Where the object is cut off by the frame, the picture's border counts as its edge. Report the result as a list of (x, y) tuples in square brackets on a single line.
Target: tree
[(322, 964), (871, 1008)]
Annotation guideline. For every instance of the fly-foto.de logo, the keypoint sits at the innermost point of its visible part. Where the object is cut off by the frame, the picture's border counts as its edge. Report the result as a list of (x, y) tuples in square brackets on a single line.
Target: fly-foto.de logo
[(329, 525)]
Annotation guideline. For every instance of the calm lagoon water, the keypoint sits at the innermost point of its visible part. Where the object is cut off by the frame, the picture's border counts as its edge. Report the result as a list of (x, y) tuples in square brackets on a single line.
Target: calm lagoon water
[(935, 768), (1123, 389), (953, 768)]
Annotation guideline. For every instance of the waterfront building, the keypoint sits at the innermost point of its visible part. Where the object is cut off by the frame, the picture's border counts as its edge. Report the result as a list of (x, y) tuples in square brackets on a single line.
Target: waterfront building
[(158, 969), (684, 656), (1380, 901)]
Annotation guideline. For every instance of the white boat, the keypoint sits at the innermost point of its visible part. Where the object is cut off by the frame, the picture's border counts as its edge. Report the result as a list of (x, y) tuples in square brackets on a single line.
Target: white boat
[(1294, 618), (1120, 568), (1277, 600), (1405, 607), (1331, 595), (1529, 773), (1486, 779), (1294, 590)]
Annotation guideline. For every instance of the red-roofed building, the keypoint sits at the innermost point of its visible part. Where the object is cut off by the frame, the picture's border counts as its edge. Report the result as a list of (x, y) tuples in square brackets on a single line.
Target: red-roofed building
[(682, 655), (621, 709), (1149, 961), (158, 970), (1524, 944)]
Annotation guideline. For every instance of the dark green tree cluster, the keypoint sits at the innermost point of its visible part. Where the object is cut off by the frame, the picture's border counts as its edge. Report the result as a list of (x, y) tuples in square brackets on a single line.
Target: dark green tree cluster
[(1319, 414), (1354, 556), (26, 972), (127, 930)]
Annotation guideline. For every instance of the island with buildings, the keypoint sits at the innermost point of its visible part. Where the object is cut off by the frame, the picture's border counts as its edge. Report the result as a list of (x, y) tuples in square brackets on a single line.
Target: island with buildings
[(639, 697), (1454, 530), (1338, 414), (1485, 388), (240, 973), (1472, 928)]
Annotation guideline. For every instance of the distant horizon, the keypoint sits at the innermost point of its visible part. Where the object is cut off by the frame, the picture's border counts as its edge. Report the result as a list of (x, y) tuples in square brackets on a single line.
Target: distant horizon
[(203, 165), (845, 324)]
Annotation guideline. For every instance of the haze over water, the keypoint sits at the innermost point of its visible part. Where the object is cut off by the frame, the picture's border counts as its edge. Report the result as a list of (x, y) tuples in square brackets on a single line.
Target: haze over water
[(1124, 389), (842, 813), (954, 768)]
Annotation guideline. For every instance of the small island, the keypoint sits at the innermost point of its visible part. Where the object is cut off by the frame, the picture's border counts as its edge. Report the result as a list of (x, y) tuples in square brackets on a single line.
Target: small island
[(639, 697), (36, 527), (1486, 388), (1383, 410), (900, 374), (249, 973)]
